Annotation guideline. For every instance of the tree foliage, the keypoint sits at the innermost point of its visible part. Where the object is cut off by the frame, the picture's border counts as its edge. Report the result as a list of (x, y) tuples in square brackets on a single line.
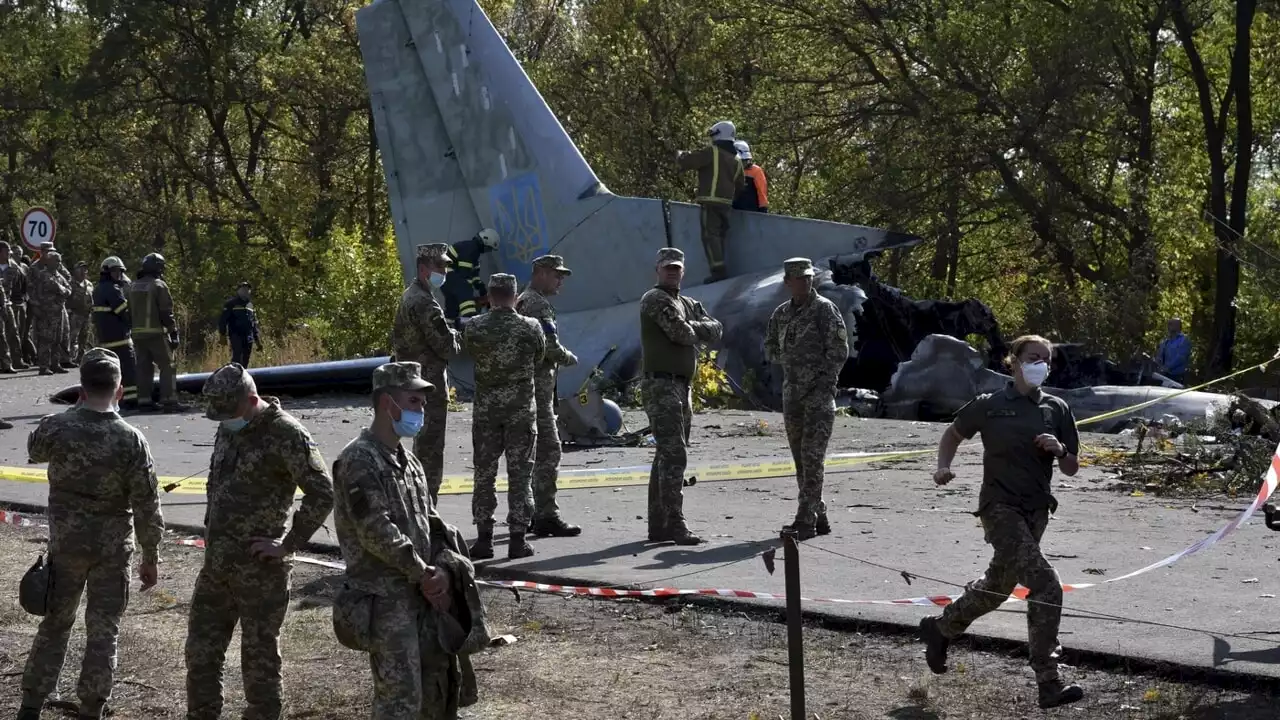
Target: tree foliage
[(1087, 167)]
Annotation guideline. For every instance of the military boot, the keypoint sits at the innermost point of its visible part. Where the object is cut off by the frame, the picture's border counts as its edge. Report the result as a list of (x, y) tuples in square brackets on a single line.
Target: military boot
[(8, 370), (824, 525), (482, 548), (658, 530), (1055, 692), (804, 531), (28, 713), (58, 370), (554, 526), (679, 533), (935, 650), (517, 547), (69, 365)]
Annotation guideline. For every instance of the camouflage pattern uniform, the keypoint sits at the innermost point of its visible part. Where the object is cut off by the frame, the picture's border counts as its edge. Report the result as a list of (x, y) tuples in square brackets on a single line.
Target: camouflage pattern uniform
[(546, 464), (63, 355), (422, 335), (102, 490), (79, 307), (671, 328), (507, 347), (16, 281), (253, 475), (811, 344), (389, 532), (10, 351), (49, 295), (1014, 506)]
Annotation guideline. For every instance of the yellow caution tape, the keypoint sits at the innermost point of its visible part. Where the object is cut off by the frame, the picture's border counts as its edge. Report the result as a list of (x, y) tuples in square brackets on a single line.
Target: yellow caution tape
[(569, 479)]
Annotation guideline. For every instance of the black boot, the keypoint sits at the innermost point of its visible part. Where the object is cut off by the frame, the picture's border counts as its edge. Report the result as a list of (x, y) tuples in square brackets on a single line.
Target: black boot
[(517, 547), (28, 713), (804, 531), (935, 652), (1055, 692), (554, 527), (680, 534), (482, 548), (824, 525)]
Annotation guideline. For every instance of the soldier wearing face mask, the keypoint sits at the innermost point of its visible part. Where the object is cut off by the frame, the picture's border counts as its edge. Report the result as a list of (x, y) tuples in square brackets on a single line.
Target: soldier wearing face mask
[(261, 454), (422, 335), (1024, 431)]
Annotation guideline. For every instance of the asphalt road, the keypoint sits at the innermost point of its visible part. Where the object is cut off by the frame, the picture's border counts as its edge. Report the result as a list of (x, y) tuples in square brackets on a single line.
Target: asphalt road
[(890, 514)]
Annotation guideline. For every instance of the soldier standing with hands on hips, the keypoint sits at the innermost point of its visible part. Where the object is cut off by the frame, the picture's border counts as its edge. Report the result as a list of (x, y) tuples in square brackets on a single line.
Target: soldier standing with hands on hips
[(409, 589), (807, 337), (549, 273), (1024, 431), (507, 348), (261, 456), (102, 491), (671, 327)]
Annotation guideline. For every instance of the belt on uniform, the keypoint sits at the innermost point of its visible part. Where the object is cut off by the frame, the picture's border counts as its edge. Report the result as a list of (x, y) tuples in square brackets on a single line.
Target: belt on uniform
[(666, 376)]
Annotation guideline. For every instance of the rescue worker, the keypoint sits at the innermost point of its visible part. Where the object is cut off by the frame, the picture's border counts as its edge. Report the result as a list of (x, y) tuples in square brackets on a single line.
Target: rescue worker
[(754, 195), (155, 333), (671, 328), (507, 348), (63, 343), (112, 323), (549, 273), (49, 294), (464, 290), (13, 285), (1024, 430), (409, 588), (102, 491), (239, 324), (261, 456), (421, 334), (79, 306), (808, 338), (720, 179)]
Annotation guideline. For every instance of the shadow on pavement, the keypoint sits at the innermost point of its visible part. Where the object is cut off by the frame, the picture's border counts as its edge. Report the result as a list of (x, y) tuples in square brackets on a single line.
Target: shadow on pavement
[(666, 559)]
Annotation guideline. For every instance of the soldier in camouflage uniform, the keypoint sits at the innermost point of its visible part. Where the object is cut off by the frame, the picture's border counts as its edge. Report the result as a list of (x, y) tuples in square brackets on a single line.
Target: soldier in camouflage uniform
[(260, 456), (79, 306), (807, 337), (422, 335), (63, 355), (406, 568), (1021, 426), (507, 348), (13, 282), (671, 328), (10, 351), (549, 273), (102, 491), (49, 294)]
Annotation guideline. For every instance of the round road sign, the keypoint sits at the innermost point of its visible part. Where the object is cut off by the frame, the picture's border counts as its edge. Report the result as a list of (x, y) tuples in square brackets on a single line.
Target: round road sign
[(38, 226)]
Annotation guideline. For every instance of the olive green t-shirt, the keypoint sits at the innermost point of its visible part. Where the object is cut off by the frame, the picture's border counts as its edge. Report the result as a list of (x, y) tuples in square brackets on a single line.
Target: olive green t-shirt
[(1014, 471)]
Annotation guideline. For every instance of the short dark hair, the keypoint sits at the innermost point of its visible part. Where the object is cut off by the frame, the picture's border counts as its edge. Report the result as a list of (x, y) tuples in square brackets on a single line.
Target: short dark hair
[(99, 383)]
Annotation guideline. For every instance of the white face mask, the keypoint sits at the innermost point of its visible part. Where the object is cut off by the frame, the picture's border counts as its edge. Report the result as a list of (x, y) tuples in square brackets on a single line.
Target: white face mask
[(1035, 373)]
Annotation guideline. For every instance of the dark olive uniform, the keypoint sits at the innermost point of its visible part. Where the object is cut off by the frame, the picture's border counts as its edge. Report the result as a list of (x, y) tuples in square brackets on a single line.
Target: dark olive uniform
[(1014, 505)]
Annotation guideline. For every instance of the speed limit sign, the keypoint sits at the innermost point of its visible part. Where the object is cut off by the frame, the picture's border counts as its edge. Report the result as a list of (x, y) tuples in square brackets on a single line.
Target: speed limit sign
[(38, 226)]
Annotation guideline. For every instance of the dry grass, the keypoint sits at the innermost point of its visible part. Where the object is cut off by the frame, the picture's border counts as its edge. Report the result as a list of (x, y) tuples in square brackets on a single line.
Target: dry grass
[(577, 658), (296, 348)]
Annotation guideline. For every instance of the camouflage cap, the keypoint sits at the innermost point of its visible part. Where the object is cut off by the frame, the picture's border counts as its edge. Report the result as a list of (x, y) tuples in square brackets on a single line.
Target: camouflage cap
[(503, 282), (46, 246), (553, 262), (224, 390), (435, 252), (53, 256), (82, 264), (670, 256), (403, 375), (99, 366), (797, 267)]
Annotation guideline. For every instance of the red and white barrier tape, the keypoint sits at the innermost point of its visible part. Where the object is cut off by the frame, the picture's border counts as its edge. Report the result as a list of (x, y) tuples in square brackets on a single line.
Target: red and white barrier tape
[(1019, 594)]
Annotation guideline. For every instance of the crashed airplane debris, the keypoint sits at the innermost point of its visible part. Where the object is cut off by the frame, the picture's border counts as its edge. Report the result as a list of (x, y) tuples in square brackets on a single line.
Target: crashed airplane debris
[(945, 373)]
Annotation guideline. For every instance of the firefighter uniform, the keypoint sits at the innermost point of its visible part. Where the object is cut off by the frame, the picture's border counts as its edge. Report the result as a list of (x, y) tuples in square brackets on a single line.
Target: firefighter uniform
[(155, 332), (112, 324), (464, 290), (720, 179)]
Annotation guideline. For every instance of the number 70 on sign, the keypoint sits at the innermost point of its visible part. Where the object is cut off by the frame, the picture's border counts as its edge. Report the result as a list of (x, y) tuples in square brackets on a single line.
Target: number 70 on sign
[(38, 226)]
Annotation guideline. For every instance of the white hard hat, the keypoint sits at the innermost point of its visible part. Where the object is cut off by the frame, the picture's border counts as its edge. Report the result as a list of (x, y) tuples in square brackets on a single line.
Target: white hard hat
[(744, 150), (489, 237), (723, 130)]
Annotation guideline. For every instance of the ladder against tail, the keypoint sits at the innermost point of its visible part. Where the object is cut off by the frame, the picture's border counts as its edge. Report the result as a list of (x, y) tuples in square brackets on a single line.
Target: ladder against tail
[(467, 142)]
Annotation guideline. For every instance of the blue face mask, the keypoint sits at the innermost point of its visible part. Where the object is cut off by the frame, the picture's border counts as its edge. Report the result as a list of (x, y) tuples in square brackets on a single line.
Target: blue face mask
[(410, 422), (235, 424), (437, 279)]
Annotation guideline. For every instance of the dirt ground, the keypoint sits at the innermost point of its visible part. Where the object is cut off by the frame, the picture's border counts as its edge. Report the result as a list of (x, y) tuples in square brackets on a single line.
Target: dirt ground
[(584, 658)]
